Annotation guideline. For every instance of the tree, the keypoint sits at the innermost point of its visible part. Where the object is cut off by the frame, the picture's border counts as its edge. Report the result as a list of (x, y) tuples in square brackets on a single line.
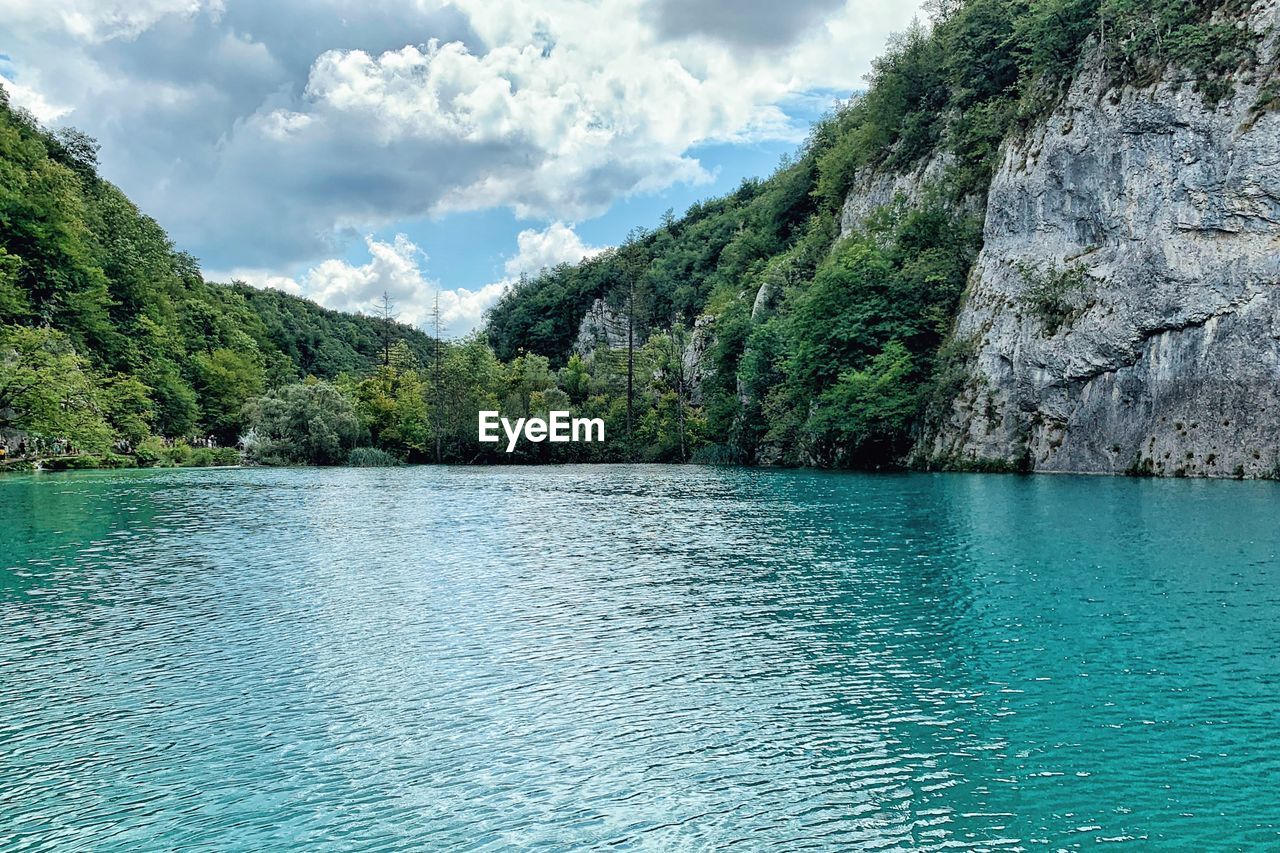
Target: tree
[(46, 389), (113, 299), (13, 301), (575, 379), (302, 424), (385, 311), (473, 379), (79, 149), (438, 406), (529, 377), (865, 416), (127, 407), (177, 408), (227, 380), (664, 355), (633, 268)]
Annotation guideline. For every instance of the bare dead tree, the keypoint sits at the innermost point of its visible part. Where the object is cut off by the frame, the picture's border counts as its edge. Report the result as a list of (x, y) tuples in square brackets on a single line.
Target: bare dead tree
[(385, 310), (631, 353), (634, 266)]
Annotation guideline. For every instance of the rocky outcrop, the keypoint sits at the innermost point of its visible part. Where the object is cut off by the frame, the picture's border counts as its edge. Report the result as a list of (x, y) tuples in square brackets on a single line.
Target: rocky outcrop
[(602, 326), (605, 327), (766, 301), (696, 361), (874, 189), (1124, 314)]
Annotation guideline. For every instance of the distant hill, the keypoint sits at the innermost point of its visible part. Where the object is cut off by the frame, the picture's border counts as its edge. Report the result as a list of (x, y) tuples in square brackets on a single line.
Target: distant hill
[(104, 286)]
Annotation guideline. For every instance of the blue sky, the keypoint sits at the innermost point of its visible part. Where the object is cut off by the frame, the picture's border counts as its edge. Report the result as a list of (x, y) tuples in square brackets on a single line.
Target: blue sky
[(470, 249), (339, 148)]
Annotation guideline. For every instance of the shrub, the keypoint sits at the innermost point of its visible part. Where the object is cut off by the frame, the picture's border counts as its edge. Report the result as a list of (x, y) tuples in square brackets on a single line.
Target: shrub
[(152, 451), (372, 457), (1143, 36), (91, 462), (1055, 297), (212, 457), (303, 424)]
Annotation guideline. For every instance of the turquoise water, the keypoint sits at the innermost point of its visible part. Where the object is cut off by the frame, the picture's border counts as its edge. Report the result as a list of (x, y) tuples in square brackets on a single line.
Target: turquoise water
[(652, 657)]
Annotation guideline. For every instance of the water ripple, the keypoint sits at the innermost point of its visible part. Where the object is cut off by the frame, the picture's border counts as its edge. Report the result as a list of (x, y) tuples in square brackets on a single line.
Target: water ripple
[(635, 658)]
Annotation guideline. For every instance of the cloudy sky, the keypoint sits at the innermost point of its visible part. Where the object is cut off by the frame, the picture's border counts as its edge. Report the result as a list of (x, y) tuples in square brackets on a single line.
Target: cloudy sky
[(339, 148)]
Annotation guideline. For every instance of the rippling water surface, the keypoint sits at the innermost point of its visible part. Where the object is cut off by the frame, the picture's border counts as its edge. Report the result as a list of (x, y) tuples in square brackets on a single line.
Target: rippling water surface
[(635, 657)]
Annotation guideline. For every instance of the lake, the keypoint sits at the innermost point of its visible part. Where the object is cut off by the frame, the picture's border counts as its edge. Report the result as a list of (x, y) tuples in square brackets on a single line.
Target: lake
[(636, 657)]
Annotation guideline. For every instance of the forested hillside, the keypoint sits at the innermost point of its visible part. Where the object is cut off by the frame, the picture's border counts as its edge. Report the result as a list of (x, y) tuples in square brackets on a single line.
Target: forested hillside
[(830, 346), (109, 335)]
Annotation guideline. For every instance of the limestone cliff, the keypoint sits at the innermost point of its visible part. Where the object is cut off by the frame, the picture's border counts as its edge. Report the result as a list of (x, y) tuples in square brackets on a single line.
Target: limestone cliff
[(602, 326), (873, 189), (1124, 314)]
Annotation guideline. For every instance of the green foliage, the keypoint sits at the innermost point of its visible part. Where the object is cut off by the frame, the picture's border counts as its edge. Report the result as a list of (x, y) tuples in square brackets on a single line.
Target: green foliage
[(226, 380), (1049, 35), (210, 457), (867, 415), (46, 389), (13, 299), (322, 343), (303, 424), (472, 379), (1141, 37), (574, 379), (127, 407), (1055, 297), (154, 451), (372, 457), (860, 342), (677, 270), (89, 462), (393, 408), (135, 341)]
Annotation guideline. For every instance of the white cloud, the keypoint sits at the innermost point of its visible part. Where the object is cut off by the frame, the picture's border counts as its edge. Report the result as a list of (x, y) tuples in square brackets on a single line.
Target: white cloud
[(396, 268), (537, 250), (98, 20), (262, 143), (31, 100)]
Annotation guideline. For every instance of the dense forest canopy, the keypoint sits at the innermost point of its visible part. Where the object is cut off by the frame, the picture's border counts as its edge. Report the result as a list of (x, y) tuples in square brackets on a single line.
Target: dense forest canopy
[(755, 331)]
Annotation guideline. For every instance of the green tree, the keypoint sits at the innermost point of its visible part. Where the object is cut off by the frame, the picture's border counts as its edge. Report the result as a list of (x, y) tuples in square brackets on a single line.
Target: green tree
[(866, 416), (226, 380), (575, 379), (302, 424), (127, 407), (46, 389)]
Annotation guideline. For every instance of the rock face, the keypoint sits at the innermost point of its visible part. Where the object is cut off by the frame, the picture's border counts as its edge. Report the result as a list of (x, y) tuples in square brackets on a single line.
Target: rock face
[(694, 360), (1124, 314), (873, 190), (601, 326), (606, 327)]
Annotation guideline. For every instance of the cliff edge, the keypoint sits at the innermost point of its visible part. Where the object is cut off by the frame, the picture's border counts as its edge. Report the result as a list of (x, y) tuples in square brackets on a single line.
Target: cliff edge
[(1124, 313)]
